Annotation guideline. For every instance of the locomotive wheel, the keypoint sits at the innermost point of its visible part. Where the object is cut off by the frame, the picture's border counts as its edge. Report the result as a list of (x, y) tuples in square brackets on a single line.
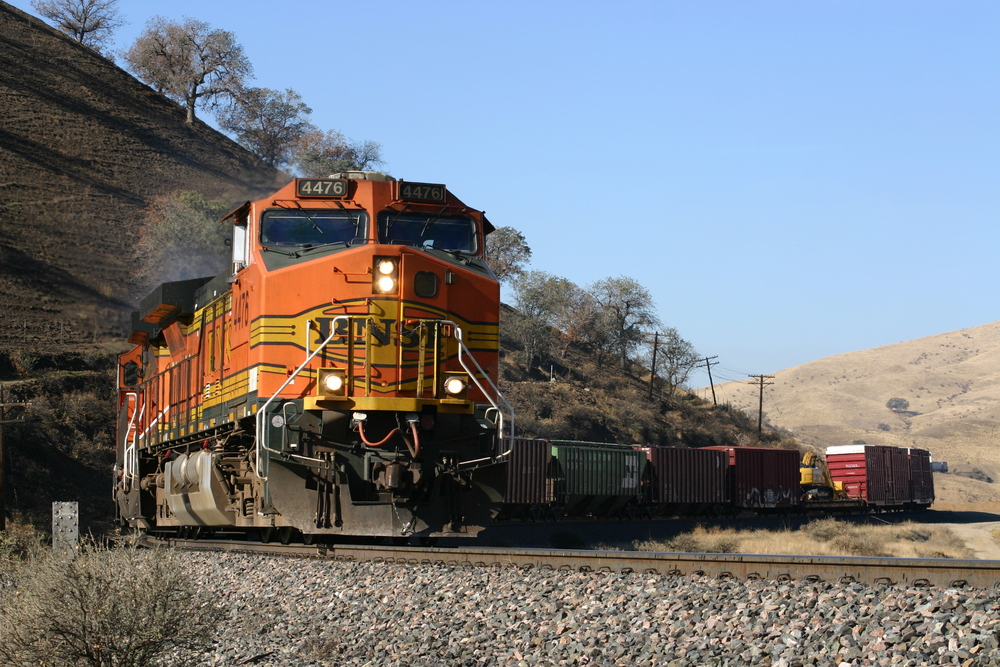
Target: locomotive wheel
[(285, 534), (265, 534)]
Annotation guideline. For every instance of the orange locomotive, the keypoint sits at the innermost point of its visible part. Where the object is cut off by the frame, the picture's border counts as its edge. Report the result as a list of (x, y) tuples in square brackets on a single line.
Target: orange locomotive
[(338, 381)]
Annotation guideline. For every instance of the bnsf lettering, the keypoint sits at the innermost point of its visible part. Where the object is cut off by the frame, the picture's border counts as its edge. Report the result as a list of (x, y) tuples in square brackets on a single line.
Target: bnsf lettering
[(382, 331)]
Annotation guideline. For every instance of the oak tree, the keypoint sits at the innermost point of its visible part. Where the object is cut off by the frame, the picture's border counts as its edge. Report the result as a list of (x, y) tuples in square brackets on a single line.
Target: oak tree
[(675, 359), (540, 298), (317, 154), (897, 404), (507, 253), (267, 122), (90, 22), (189, 62), (180, 237), (629, 311)]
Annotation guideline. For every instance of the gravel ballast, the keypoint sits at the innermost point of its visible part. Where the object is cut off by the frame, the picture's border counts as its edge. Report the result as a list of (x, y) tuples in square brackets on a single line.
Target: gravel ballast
[(317, 612)]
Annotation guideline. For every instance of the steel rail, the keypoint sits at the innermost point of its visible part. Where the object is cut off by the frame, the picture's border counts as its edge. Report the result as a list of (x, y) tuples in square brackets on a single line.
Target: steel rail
[(915, 572)]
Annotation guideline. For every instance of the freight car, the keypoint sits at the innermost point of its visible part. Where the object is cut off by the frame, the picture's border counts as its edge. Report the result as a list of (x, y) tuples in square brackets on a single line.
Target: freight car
[(884, 478), (763, 480), (337, 381), (558, 479)]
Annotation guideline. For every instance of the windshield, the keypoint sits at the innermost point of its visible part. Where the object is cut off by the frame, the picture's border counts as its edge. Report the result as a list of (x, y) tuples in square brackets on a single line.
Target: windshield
[(426, 230), (311, 227)]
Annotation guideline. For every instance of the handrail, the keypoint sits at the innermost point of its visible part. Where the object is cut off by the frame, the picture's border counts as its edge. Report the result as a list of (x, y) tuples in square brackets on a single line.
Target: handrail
[(130, 460), (261, 446), (500, 397)]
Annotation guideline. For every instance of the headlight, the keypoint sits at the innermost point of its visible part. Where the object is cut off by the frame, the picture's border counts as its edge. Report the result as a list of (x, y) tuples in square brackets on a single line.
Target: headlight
[(332, 382), (385, 275), (455, 385)]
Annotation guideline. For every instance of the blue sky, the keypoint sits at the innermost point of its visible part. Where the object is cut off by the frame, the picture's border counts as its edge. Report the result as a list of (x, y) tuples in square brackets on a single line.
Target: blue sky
[(790, 180)]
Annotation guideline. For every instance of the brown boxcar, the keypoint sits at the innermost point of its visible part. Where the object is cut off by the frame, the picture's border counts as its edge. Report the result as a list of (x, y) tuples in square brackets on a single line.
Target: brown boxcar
[(528, 480), (679, 480), (921, 478), (877, 474), (763, 479)]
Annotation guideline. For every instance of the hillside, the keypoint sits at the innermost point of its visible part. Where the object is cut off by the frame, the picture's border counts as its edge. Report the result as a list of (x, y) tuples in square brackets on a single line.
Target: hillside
[(83, 146), (951, 381)]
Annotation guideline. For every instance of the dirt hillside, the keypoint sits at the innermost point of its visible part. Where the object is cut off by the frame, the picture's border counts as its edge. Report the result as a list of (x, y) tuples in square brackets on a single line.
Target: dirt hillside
[(83, 146), (951, 382)]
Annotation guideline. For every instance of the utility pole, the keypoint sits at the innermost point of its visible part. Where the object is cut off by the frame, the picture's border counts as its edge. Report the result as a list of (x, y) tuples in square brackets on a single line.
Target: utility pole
[(708, 367), (760, 380), (3, 465), (652, 368)]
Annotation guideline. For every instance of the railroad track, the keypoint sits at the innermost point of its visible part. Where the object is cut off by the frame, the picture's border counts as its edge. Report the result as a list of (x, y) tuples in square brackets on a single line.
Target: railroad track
[(937, 572)]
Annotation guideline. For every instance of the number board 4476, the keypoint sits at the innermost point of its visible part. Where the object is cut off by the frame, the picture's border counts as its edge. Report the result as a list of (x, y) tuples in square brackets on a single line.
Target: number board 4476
[(427, 192), (321, 187)]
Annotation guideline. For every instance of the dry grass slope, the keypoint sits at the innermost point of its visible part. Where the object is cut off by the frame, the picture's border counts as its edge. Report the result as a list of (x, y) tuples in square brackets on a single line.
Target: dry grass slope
[(951, 381), (83, 146)]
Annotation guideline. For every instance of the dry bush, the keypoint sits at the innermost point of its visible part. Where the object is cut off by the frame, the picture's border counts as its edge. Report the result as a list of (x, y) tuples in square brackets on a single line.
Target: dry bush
[(19, 544), (826, 530), (712, 540), (119, 607), (862, 543)]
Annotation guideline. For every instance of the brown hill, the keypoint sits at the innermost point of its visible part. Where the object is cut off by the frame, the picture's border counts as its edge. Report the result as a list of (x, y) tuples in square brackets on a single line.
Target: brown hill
[(83, 146), (949, 380)]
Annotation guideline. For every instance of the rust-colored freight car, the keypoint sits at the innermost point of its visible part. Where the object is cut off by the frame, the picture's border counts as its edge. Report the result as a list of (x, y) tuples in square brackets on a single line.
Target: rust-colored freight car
[(884, 477), (763, 479), (683, 481), (528, 473), (921, 477)]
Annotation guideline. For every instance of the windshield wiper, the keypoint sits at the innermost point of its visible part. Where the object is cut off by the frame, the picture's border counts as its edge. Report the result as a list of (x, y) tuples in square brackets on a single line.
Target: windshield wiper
[(460, 255), (390, 223), (321, 245), (308, 217), (431, 221), (280, 252)]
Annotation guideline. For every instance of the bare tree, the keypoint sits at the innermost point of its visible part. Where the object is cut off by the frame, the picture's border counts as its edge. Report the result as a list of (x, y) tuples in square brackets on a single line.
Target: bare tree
[(629, 309), (675, 359), (90, 22), (267, 122), (189, 62), (540, 298), (507, 253), (317, 153)]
